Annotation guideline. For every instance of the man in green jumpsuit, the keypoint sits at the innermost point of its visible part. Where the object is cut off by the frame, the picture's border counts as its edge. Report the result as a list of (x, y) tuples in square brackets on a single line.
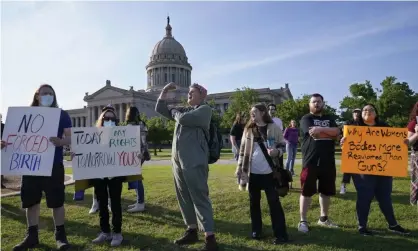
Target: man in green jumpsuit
[(190, 154)]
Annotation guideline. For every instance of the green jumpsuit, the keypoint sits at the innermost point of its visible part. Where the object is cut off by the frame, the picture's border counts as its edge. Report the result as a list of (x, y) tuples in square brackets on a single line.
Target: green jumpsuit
[(190, 162)]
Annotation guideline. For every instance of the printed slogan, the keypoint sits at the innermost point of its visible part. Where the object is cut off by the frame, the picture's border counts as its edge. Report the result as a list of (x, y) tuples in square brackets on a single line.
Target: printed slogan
[(105, 152), (26, 133), (375, 150)]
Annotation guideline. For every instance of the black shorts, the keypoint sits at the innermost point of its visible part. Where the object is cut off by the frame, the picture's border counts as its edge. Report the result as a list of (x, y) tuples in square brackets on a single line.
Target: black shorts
[(53, 187), (324, 174)]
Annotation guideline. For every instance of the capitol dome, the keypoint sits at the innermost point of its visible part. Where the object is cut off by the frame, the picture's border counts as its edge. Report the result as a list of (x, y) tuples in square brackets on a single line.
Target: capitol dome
[(168, 63)]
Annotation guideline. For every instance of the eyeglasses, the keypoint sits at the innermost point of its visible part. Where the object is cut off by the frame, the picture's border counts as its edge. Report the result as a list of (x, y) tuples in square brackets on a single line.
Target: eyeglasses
[(109, 119)]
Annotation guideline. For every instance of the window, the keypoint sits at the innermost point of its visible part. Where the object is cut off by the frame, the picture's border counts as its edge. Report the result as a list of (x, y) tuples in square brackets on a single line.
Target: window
[(173, 77), (225, 106), (165, 77)]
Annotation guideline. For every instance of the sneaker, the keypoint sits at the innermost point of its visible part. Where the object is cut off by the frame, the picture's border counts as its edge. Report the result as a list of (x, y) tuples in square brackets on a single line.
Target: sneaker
[(116, 240), (343, 189), (256, 235), (327, 223), (303, 227), (103, 237), (94, 208), (189, 237), (281, 240), (364, 231), (30, 241), (138, 207), (399, 230), (210, 244), (61, 239)]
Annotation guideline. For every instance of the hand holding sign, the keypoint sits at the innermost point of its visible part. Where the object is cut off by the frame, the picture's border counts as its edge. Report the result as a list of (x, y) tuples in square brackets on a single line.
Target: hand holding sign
[(342, 141), (56, 141)]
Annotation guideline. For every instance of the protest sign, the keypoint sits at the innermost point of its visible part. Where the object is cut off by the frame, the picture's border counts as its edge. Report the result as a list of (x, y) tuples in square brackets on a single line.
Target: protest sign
[(100, 152), (26, 133), (375, 150)]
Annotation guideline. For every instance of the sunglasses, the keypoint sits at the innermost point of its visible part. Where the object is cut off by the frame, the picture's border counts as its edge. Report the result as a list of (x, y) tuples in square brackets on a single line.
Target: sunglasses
[(109, 119)]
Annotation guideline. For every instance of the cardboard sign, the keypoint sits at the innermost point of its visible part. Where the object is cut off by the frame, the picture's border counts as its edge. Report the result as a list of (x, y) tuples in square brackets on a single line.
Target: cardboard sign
[(100, 152), (375, 150), (28, 150)]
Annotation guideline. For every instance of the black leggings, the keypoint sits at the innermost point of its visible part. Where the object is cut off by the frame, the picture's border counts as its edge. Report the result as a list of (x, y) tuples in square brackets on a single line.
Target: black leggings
[(115, 191)]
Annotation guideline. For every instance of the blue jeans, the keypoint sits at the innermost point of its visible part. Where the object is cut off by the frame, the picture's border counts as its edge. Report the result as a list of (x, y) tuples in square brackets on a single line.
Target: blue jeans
[(368, 187), (291, 150), (140, 192)]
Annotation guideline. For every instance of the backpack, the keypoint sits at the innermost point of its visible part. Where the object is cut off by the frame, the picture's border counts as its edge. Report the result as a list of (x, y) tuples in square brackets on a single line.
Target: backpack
[(215, 142)]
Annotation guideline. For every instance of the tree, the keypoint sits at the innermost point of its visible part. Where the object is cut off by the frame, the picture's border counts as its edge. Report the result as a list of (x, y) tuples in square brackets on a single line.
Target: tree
[(393, 103), (361, 94), (157, 132), (241, 101), (295, 109)]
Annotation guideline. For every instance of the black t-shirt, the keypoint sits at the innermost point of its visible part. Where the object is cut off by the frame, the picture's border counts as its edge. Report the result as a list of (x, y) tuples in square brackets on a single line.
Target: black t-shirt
[(237, 130), (317, 152)]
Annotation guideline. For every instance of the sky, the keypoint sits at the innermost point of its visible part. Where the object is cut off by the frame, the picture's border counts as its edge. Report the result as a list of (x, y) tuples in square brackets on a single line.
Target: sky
[(314, 46)]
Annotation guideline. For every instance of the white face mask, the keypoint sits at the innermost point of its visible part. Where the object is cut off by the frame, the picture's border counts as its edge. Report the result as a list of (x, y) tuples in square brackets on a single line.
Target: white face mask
[(46, 100), (108, 123)]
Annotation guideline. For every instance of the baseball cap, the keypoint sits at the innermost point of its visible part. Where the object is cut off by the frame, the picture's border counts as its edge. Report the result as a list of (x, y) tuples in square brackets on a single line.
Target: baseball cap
[(357, 110)]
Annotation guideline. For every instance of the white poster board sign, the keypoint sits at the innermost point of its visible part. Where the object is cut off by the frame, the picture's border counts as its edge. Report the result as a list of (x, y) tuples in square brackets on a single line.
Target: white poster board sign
[(28, 150), (100, 152)]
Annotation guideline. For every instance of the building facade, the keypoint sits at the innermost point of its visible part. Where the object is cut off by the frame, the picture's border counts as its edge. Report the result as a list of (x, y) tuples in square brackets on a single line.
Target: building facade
[(168, 63)]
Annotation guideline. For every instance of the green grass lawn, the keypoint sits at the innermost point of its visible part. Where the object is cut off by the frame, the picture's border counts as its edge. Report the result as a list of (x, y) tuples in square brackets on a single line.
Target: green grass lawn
[(156, 228)]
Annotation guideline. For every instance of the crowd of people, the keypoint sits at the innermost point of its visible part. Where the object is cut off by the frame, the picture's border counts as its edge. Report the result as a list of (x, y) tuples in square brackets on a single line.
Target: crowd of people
[(258, 142)]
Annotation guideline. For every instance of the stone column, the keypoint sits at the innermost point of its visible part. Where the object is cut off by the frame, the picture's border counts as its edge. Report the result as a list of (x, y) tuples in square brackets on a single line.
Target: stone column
[(120, 115)]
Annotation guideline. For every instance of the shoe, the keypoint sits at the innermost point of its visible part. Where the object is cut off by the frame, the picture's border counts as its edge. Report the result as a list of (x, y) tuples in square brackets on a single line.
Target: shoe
[(210, 244), (189, 237), (281, 240), (364, 231), (94, 208), (30, 241), (102, 237), (399, 230), (116, 240), (138, 207), (61, 239), (327, 223), (256, 235), (303, 227), (343, 189)]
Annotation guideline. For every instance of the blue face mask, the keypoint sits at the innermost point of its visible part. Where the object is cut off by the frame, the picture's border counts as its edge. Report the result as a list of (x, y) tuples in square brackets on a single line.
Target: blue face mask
[(108, 123), (46, 100)]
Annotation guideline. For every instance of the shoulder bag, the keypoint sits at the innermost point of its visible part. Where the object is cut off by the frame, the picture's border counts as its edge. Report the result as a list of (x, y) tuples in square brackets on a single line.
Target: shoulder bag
[(282, 177)]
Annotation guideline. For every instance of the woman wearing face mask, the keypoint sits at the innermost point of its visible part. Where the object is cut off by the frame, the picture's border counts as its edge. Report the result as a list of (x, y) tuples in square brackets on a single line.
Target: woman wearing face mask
[(133, 119), (255, 173), (109, 188), (374, 186), (53, 186)]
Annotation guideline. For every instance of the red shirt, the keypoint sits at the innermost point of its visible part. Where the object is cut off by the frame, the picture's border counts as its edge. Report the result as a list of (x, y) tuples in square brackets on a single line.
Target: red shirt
[(411, 128)]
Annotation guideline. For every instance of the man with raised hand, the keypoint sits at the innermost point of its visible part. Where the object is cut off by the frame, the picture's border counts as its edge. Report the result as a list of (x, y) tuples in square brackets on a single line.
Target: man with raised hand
[(190, 156), (318, 161)]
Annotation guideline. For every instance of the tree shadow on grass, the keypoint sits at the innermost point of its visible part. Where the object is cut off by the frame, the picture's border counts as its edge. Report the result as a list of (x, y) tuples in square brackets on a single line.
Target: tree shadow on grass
[(328, 239), (75, 229), (349, 239)]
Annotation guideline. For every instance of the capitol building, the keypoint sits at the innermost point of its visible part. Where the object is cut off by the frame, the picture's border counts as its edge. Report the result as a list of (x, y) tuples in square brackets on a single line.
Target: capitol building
[(168, 63)]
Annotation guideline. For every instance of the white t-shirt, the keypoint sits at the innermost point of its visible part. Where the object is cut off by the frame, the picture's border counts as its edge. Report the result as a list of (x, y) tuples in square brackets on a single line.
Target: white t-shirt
[(259, 164), (278, 122)]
